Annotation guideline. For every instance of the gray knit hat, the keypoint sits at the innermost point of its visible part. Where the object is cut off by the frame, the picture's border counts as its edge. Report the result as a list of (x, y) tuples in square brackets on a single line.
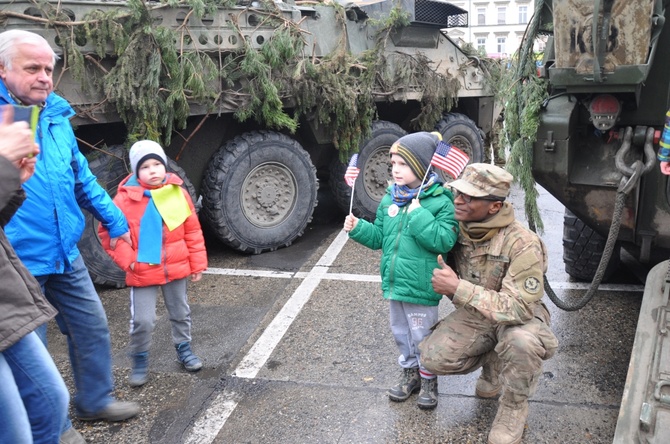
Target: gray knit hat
[(143, 150), (417, 150)]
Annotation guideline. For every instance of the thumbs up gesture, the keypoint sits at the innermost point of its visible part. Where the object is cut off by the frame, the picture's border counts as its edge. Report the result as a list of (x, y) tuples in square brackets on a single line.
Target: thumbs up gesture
[(445, 281)]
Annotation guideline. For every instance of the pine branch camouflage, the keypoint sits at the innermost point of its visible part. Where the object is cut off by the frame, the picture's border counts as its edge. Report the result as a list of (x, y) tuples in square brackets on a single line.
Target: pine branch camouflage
[(154, 80)]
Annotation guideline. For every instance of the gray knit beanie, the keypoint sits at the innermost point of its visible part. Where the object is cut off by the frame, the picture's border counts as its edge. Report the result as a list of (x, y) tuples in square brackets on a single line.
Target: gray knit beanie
[(143, 150), (417, 150)]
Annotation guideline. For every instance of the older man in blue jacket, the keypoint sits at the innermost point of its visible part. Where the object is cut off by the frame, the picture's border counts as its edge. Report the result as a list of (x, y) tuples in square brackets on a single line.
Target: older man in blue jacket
[(45, 230)]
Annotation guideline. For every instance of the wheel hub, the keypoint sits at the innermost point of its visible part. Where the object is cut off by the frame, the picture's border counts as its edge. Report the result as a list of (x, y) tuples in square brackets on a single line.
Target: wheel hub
[(377, 173), (462, 143), (268, 194)]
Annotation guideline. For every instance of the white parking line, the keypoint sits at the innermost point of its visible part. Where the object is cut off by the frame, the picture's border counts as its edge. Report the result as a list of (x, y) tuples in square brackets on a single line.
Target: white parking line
[(602, 287), (377, 278), (212, 420), (262, 349), (251, 273)]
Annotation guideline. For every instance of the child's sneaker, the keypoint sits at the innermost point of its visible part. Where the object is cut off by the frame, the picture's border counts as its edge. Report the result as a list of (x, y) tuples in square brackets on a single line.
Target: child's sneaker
[(409, 383), (186, 357), (140, 373)]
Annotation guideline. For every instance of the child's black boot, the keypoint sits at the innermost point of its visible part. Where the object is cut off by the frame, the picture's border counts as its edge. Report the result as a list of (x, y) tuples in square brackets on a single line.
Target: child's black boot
[(428, 396), (409, 383)]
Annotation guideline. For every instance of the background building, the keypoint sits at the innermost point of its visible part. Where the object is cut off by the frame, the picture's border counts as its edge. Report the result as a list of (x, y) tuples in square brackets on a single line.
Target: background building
[(496, 27)]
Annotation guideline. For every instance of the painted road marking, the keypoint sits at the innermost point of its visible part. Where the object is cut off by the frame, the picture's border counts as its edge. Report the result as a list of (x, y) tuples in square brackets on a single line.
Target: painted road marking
[(211, 421), (377, 278), (262, 349)]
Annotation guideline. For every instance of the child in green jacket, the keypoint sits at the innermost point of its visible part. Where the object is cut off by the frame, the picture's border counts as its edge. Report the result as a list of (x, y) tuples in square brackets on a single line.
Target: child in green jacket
[(412, 226)]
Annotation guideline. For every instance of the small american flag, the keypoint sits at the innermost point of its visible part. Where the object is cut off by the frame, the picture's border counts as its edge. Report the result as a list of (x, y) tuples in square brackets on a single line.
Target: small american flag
[(450, 159), (352, 171)]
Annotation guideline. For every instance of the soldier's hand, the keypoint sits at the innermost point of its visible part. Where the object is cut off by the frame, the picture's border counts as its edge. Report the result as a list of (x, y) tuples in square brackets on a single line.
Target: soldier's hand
[(445, 281)]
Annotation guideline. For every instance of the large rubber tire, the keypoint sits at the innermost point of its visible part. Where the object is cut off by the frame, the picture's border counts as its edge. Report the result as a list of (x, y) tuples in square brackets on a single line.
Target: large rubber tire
[(110, 170), (583, 249), (373, 160), (259, 192), (460, 131)]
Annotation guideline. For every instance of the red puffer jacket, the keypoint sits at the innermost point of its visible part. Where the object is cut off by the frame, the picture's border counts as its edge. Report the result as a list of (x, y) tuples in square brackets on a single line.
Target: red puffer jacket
[(183, 252)]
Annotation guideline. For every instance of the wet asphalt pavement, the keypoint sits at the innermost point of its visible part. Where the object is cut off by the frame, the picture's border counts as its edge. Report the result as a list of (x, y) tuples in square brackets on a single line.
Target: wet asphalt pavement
[(320, 372)]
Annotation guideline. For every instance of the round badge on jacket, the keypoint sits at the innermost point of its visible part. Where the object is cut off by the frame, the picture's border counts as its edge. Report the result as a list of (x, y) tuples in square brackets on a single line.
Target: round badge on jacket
[(393, 210)]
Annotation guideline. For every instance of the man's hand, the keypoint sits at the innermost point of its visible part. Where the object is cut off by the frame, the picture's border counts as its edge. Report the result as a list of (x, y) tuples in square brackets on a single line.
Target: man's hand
[(195, 277), (17, 139), (445, 281), (665, 168), (124, 237), (26, 167)]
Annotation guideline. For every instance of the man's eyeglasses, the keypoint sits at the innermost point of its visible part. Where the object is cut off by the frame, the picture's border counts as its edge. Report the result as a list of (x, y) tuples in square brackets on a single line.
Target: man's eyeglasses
[(467, 198)]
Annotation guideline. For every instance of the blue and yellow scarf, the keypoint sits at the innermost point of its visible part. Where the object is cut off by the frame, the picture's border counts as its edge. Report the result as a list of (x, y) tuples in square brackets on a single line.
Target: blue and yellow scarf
[(403, 194), (166, 204)]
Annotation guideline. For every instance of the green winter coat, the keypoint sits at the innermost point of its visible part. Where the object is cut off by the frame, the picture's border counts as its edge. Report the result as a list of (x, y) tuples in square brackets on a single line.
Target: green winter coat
[(410, 244)]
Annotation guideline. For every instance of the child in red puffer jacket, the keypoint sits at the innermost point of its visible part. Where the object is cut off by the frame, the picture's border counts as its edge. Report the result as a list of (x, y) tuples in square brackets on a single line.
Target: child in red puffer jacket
[(167, 247)]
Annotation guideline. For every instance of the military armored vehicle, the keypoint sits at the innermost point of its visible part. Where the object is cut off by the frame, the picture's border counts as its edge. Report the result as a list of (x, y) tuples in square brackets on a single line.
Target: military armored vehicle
[(606, 67), (258, 102)]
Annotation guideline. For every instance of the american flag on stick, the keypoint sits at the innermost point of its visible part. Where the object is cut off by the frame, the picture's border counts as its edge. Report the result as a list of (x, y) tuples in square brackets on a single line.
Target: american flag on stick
[(450, 159), (352, 171)]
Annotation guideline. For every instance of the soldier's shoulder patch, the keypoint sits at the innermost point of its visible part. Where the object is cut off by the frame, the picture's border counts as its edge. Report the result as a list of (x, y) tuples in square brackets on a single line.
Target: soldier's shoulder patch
[(531, 285)]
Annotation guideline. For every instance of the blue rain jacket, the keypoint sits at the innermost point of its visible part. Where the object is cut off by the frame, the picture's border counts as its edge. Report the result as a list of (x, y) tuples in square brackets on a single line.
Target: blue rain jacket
[(45, 230)]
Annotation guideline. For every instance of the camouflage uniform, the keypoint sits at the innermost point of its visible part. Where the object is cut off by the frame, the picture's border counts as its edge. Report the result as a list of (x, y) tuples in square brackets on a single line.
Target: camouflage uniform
[(498, 308), (500, 322)]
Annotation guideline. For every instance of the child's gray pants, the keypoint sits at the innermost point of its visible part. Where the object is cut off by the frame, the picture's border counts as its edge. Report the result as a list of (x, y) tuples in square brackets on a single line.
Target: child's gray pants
[(143, 314), (410, 323)]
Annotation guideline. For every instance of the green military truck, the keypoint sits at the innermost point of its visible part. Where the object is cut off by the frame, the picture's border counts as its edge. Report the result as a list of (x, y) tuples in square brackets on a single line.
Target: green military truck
[(257, 102), (608, 77)]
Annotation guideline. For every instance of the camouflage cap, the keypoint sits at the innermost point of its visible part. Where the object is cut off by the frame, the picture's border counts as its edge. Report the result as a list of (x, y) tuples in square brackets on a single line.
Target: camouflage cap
[(482, 179)]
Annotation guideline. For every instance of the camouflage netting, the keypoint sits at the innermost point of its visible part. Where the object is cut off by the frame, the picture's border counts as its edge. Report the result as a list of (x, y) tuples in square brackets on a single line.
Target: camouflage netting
[(153, 80), (523, 93)]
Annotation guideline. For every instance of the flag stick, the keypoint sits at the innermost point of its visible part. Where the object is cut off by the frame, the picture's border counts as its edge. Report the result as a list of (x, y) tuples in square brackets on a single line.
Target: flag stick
[(350, 177), (423, 180)]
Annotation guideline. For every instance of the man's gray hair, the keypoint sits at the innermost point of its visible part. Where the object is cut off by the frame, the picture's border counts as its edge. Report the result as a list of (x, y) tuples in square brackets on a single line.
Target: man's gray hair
[(10, 39)]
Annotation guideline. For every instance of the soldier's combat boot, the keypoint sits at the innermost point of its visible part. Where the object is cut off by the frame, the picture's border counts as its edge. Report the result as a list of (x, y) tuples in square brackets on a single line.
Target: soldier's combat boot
[(489, 383), (409, 383), (428, 396), (510, 420)]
